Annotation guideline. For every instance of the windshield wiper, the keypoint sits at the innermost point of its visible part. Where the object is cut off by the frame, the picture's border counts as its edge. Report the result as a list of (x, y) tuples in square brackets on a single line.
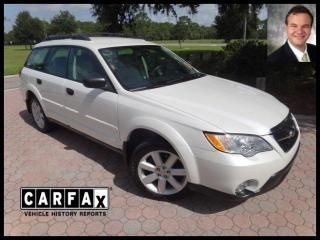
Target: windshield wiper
[(149, 87)]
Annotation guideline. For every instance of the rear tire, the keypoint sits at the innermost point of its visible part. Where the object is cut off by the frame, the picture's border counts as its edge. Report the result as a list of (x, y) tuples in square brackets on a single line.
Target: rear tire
[(39, 118), (157, 170)]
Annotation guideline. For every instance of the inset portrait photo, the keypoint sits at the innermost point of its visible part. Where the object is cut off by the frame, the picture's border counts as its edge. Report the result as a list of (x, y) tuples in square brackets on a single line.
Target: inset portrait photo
[(291, 33)]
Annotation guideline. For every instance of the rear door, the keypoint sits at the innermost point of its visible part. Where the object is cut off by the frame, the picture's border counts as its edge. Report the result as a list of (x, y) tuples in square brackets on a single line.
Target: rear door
[(53, 81), (90, 110)]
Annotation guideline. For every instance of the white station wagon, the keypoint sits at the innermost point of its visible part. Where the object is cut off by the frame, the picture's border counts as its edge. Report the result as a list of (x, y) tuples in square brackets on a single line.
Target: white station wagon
[(177, 128)]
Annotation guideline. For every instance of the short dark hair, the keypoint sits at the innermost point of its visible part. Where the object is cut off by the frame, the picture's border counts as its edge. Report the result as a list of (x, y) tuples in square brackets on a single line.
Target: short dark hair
[(299, 9)]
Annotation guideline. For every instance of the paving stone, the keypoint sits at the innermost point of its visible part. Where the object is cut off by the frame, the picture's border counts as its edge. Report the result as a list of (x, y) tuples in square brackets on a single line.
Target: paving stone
[(252, 207), (168, 212), (115, 213), (151, 226), (39, 229), (223, 222), (298, 204), (150, 212), (309, 216), (268, 206), (242, 221), (277, 219), (20, 230), (259, 220), (169, 225), (187, 225), (205, 223), (267, 232), (247, 232), (58, 228), (94, 228), (133, 213), (113, 227), (285, 231), (132, 227), (7, 229), (304, 231), (303, 192), (12, 216), (134, 201), (75, 228), (294, 218), (117, 202)]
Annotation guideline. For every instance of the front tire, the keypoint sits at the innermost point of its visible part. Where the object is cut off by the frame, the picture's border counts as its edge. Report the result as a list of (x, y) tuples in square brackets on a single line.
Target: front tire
[(157, 169), (39, 118)]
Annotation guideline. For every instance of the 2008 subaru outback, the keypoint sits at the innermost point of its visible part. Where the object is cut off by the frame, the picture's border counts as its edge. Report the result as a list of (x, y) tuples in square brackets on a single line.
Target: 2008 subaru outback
[(175, 125)]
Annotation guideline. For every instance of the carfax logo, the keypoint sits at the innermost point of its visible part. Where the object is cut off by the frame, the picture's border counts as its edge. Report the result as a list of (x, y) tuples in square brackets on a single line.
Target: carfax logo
[(64, 198)]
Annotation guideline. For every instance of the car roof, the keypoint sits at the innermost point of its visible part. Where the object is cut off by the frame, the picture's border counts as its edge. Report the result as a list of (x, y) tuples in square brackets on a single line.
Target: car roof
[(96, 42)]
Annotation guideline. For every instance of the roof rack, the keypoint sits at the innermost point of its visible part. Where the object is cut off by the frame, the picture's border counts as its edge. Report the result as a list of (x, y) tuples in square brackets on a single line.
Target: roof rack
[(86, 36), (77, 36)]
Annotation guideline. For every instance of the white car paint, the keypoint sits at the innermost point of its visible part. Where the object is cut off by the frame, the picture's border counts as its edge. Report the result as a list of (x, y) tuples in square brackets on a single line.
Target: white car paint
[(180, 113)]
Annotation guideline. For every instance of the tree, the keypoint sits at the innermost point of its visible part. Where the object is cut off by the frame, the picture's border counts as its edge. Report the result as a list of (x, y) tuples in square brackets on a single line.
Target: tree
[(27, 30), (182, 28), (9, 38), (262, 29), (237, 20), (142, 26), (114, 16), (63, 23), (88, 27)]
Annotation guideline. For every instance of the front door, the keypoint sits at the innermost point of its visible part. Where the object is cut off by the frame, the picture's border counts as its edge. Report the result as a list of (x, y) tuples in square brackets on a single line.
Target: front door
[(90, 110)]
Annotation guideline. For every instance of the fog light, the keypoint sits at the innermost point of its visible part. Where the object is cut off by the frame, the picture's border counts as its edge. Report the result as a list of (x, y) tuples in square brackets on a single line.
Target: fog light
[(246, 188)]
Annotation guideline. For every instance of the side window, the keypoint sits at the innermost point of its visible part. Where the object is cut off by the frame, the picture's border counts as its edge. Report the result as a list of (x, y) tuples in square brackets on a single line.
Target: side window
[(83, 64), (57, 61), (37, 58)]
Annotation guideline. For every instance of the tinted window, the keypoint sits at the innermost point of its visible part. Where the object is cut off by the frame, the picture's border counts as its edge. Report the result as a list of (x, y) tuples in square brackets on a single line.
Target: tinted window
[(57, 61), (83, 64), (37, 58)]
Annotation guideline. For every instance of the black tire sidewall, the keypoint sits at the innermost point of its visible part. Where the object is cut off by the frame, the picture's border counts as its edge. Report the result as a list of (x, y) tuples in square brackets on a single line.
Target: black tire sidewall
[(47, 125)]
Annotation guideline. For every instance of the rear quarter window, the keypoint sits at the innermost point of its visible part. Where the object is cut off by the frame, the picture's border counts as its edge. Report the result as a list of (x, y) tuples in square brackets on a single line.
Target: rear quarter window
[(37, 58)]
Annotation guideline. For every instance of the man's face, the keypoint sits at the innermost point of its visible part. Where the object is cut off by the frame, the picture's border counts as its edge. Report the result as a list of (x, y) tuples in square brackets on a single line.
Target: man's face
[(298, 29)]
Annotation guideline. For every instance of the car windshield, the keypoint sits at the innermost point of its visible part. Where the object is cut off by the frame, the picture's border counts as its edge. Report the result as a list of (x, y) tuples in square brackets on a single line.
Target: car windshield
[(145, 67)]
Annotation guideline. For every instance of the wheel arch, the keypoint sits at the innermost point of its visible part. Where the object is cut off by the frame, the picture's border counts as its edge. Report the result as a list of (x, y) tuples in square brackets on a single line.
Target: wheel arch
[(33, 92), (156, 130)]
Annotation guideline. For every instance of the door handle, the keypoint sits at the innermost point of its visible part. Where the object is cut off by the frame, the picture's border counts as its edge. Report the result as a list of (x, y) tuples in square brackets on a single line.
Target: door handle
[(69, 91), (39, 81)]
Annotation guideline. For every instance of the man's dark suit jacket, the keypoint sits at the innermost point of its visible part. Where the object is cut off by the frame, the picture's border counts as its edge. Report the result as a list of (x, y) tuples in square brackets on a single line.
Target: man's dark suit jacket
[(285, 55)]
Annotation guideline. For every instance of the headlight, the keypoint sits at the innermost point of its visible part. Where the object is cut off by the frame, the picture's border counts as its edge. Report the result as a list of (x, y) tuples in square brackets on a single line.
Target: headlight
[(247, 145)]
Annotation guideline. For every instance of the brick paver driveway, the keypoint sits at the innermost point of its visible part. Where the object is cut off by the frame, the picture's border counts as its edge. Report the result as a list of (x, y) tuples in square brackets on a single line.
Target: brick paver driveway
[(63, 158)]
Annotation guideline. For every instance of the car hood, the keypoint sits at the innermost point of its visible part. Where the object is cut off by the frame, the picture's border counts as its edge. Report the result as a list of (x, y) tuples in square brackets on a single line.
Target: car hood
[(226, 105)]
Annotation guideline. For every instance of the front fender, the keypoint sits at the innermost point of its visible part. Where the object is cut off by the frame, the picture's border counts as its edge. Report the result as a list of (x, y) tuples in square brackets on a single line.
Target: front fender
[(172, 136)]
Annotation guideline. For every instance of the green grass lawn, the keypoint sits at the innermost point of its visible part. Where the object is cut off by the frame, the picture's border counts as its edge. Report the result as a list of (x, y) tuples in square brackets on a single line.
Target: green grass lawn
[(194, 48), (201, 41), (14, 58)]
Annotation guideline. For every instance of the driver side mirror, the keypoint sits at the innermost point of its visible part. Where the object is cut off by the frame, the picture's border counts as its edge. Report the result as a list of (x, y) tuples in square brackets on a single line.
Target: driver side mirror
[(94, 83)]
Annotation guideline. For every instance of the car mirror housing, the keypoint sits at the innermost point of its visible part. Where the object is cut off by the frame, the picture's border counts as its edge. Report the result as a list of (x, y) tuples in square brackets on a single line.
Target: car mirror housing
[(94, 82)]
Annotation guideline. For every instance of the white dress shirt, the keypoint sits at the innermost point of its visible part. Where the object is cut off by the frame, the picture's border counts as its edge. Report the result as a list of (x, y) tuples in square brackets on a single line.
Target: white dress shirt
[(298, 53)]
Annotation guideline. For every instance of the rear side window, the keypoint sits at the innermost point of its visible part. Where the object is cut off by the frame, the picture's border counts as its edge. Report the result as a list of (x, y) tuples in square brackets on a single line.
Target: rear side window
[(56, 63), (37, 58)]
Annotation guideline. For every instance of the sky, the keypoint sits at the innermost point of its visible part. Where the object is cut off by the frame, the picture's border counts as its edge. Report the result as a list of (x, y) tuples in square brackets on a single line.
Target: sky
[(205, 16)]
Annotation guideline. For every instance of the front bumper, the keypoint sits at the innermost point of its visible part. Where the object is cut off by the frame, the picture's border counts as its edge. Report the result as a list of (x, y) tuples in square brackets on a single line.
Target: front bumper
[(272, 182), (228, 173)]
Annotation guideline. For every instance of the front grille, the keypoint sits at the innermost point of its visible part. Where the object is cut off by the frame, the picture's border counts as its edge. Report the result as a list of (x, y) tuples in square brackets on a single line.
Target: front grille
[(285, 133)]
